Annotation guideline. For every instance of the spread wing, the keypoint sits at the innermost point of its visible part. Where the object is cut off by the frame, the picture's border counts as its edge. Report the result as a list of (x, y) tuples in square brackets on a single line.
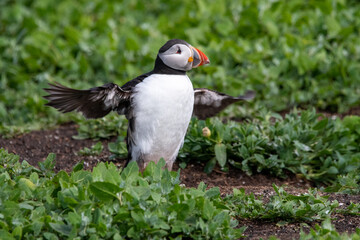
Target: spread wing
[(208, 103), (92, 103), (95, 102)]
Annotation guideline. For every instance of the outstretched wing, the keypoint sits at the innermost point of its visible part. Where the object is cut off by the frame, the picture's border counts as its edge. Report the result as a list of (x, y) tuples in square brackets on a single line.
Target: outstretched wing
[(208, 103), (92, 103)]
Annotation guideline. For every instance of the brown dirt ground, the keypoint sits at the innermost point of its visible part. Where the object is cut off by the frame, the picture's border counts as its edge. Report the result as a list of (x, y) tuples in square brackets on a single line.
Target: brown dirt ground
[(35, 146)]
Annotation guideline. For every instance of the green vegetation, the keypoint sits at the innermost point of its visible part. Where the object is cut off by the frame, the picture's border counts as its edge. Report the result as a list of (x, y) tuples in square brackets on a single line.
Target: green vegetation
[(107, 203), (95, 149), (328, 231), (294, 54), (282, 206), (291, 53), (318, 150), (106, 127), (305, 143), (112, 203)]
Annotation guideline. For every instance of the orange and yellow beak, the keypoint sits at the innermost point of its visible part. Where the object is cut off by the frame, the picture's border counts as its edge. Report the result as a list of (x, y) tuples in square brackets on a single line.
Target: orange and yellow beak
[(198, 58)]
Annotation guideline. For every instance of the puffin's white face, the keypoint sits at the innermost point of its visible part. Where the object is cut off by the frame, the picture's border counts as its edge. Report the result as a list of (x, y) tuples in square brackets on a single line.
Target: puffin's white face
[(183, 57)]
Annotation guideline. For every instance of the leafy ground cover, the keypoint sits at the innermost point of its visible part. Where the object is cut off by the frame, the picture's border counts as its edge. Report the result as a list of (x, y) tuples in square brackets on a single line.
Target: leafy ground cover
[(261, 209), (291, 53), (294, 54), (320, 149), (115, 203), (107, 203)]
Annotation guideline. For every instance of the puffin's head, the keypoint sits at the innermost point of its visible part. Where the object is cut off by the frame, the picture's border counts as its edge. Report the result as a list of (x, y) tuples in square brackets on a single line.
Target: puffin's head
[(180, 55)]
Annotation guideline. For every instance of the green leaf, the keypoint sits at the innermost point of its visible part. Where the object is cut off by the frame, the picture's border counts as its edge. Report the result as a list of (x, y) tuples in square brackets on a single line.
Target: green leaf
[(139, 192), (61, 228), (156, 196), (220, 154), (352, 122), (153, 171), (333, 26), (333, 170), (137, 216), (106, 173), (79, 166), (6, 235), (272, 28), (321, 124), (10, 208), (50, 236), (49, 163), (213, 192), (210, 165), (182, 165), (105, 191), (27, 184), (302, 146), (130, 172), (208, 209), (25, 205), (224, 26), (17, 232), (181, 209)]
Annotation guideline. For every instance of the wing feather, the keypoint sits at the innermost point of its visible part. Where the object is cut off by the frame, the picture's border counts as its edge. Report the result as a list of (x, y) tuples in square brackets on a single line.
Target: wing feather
[(92, 103), (208, 103)]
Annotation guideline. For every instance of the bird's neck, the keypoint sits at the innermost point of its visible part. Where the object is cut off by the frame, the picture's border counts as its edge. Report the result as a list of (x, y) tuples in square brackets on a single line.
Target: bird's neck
[(161, 68)]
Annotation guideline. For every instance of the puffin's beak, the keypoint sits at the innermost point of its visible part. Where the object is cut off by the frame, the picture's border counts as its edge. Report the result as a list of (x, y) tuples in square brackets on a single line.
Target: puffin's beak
[(199, 58)]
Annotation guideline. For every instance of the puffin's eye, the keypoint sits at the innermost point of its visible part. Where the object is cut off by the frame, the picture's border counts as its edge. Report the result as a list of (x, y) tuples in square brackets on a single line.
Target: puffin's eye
[(178, 51)]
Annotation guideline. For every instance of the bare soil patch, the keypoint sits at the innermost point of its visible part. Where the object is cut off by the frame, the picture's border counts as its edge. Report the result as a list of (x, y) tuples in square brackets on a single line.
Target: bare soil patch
[(35, 146)]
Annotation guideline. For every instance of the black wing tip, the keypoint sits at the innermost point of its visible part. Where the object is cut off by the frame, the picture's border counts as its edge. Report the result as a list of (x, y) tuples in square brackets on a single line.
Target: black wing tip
[(249, 95), (54, 87), (55, 84)]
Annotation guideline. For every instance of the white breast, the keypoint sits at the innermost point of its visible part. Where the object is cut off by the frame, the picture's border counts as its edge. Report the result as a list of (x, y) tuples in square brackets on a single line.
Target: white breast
[(162, 107)]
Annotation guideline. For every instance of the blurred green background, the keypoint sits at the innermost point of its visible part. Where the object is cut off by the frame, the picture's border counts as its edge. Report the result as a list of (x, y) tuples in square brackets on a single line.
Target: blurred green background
[(292, 53)]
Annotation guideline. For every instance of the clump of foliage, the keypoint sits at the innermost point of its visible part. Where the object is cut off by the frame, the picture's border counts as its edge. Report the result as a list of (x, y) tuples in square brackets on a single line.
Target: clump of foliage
[(328, 231), (95, 149), (107, 203), (352, 209), (308, 144), (102, 128), (324, 232), (304, 143), (112, 203), (347, 184), (282, 206)]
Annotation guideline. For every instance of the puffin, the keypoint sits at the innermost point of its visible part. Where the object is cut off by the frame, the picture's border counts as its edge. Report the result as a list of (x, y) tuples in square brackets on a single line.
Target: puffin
[(158, 105)]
